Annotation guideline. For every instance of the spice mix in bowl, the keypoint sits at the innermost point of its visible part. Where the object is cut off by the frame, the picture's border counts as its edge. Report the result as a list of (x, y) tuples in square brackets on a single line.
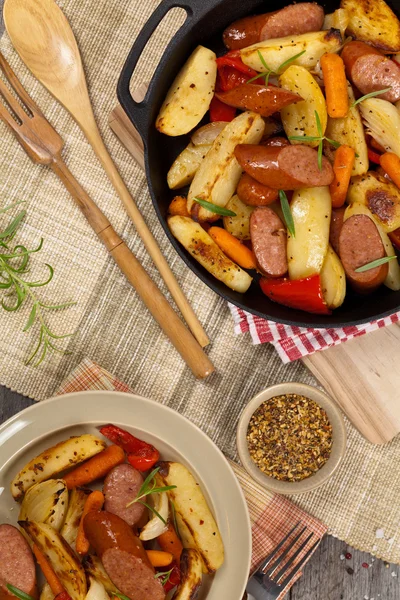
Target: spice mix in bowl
[(291, 438)]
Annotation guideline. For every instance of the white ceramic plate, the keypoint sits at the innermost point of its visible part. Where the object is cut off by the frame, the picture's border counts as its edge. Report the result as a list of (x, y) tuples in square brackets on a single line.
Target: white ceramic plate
[(31, 431)]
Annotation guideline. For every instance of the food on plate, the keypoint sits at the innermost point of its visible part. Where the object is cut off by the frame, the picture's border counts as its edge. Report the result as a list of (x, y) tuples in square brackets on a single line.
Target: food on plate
[(278, 448), (373, 22), (17, 566), (302, 133), (190, 94), (147, 533), (55, 460), (294, 19), (95, 468)]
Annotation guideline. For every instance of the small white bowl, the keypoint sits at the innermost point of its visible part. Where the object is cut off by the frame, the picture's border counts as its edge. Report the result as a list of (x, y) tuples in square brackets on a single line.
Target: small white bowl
[(338, 433)]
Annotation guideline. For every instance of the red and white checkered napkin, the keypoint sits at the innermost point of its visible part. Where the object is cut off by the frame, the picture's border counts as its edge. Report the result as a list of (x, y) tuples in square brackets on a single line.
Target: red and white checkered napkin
[(272, 516), (293, 343)]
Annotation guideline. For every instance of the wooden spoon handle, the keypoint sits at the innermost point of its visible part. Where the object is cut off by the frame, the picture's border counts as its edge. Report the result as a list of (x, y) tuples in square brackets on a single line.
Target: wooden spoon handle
[(94, 137), (152, 297)]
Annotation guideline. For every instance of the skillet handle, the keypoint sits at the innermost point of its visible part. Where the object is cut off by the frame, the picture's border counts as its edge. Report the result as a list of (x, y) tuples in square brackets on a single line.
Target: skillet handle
[(138, 111)]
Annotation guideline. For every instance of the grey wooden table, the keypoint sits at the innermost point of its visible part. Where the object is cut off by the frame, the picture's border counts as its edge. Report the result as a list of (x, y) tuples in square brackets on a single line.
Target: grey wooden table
[(327, 576)]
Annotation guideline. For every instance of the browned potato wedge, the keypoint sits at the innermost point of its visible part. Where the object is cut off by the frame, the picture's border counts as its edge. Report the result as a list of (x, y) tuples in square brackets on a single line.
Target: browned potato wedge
[(333, 280), (191, 575), (381, 196), (238, 226), (94, 568), (77, 499), (374, 22), (184, 167)]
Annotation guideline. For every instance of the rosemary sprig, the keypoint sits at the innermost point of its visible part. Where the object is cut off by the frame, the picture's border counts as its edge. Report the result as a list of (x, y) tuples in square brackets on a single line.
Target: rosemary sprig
[(370, 95), (268, 71), (149, 486), (18, 593), (375, 263), (164, 576), (121, 596), (218, 210), (14, 265), (174, 521), (319, 138), (287, 213)]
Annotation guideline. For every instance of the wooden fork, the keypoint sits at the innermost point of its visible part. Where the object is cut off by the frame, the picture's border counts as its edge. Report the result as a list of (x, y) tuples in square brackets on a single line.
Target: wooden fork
[(44, 146)]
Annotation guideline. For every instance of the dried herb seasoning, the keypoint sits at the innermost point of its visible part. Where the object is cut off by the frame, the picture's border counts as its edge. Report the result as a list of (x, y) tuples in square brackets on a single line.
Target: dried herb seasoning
[(289, 437)]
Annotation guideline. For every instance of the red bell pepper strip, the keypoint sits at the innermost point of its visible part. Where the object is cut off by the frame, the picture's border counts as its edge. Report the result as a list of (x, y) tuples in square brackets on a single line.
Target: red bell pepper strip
[(395, 238), (374, 156), (234, 60), (220, 111), (140, 454), (174, 578), (303, 294)]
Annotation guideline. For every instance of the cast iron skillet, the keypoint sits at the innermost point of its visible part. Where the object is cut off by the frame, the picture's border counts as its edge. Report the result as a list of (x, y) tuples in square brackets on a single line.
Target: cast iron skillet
[(206, 19)]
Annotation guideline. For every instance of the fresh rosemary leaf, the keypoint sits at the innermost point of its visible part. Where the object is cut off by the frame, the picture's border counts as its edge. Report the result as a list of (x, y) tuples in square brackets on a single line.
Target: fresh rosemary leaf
[(370, 95), (319, 125), (42, 283), (31, 319), (10, 206), (13, 226), (287, 213), (320, 148), (333, 143), (218, 210), (164, 576), (152, 509), (149, 486), (19, 593), (119, 595), (175, 522), (375, 263), (289, 61), (303, 138), (262, 60)]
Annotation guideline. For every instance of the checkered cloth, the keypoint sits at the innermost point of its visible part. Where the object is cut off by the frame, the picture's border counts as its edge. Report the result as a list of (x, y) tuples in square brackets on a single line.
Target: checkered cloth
[(272, 516), (293, 343)]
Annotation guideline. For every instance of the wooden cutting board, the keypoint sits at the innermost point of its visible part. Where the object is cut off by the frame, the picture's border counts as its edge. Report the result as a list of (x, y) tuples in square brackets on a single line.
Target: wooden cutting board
[(363, 375)]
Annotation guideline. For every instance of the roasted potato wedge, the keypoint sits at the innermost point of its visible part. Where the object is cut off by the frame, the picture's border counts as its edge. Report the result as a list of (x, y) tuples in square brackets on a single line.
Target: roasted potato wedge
[(217, 178), (299, 119), (238, 226), (190, 94), (184, 167), (372, 21), (191, 575), (46, 502), (311, 209), (187, 538), (61, 557), (94, 569), (96, 590), (349, 131), (76, 503), (382, 120), (203, 248), (277, 51), (392, 280), (193, 509), (333, 280), (205, 135), (54, 460), (337, 20), (380, 195)]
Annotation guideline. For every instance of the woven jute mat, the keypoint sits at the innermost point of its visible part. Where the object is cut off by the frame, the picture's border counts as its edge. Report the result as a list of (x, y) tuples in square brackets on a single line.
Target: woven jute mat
[(114, 329)]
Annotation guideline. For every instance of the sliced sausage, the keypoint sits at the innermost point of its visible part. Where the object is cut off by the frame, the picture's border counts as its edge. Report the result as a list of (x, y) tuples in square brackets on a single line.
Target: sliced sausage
[(278, 142), (123, 556), (336, 227), (360, 244), (120, 487), (287, 168), (17, 565), (254, 193), (294, 19), (370, 70), (258, 98), (269, 240)]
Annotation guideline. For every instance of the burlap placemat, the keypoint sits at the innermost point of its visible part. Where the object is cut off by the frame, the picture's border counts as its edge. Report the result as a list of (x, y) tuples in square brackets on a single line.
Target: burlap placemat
[(113, 327)]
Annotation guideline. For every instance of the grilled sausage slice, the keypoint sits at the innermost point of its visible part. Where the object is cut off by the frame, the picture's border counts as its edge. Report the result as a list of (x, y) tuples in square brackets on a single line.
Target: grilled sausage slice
[(260, 99), (120, 487), (17, 566), (269, 240), (254, 193)]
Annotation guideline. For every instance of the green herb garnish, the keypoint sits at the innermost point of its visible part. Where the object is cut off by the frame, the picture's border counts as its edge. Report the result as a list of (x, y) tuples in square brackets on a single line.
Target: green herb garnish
[(174, 521), (268, 72), (164, 576), (14, 265), (319, 138), (370, 95), (149, 486), (19, 593), (375, 263), (287, 213), (119, 595), (218, 210)]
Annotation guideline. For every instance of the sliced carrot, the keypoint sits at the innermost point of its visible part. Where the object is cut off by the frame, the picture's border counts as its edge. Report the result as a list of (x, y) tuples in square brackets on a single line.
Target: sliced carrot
[(233, 248), (170, 542), (178, 207), (342, 168), (390, 163), (158, 558), (337, 99), (94, 501), (96, 467), (47, 571)]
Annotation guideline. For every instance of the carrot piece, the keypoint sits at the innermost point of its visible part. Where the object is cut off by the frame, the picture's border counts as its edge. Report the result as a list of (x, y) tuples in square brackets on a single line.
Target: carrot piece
[(48, 571), (96, 467), (178, 207), (233, 248), (159, 558), (94, 501), (390, 163), (170, 542), (342, 168), (337, 100)]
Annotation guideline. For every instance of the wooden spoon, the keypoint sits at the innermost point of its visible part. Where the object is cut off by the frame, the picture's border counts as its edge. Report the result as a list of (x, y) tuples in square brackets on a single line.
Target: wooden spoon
[(43, 38)]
